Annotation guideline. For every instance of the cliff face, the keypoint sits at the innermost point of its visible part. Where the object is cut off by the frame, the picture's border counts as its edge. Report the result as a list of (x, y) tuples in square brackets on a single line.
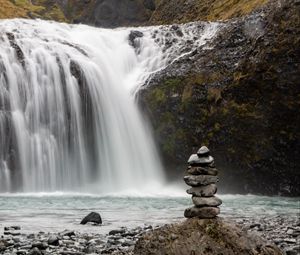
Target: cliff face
[(104, 13), (112, 13), (240, 96)]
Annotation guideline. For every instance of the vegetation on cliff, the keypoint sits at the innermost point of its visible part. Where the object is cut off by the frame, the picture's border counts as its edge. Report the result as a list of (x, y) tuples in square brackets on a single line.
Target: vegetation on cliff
[(127, 12), (240, 98)]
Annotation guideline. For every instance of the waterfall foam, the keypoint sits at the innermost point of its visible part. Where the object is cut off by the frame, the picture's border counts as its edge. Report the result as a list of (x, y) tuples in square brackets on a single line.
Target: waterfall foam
[(68, 119)]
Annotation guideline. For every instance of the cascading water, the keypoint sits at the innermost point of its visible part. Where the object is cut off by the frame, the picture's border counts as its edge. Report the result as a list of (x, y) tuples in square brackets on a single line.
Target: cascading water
[(68, 119)]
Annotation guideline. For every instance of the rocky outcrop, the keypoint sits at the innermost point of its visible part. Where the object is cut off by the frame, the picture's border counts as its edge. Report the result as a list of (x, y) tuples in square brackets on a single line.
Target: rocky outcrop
[(112, 13), (240, 96), (201, 237)]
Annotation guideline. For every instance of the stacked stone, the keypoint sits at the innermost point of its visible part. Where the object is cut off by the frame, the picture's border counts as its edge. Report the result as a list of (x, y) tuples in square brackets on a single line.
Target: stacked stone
[(202, 177)]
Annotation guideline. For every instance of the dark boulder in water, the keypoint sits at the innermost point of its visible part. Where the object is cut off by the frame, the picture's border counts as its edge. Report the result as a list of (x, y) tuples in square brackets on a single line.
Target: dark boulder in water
[(133, 36), (92, 217)]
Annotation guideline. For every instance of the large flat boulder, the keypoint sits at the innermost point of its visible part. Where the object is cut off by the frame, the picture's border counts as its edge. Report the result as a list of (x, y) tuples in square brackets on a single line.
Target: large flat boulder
[(200, 237)]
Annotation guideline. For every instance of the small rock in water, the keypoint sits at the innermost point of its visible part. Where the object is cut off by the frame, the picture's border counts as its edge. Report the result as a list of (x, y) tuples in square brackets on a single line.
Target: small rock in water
[(92, 217), (12, 228), (133, 35), (117, 231)]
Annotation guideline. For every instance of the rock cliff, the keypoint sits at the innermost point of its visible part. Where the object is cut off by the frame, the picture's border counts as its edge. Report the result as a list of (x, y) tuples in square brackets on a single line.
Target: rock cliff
[(240, 96)]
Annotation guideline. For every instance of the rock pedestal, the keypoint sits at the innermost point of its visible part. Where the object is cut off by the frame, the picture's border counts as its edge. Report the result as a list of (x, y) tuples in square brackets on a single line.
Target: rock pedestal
[(202, 176)]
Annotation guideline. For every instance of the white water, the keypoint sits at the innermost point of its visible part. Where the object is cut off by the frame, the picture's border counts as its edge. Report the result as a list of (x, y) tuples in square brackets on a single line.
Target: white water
[(61, 133)]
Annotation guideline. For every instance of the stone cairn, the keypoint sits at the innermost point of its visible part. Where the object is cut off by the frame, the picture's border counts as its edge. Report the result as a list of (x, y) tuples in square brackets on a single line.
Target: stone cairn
[(202, 177)]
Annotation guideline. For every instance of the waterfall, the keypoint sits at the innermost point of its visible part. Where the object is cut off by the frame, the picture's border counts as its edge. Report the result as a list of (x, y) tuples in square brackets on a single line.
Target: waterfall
[(68, 119)]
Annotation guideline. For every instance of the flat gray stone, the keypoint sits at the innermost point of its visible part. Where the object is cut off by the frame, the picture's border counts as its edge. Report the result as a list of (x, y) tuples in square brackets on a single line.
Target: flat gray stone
[(203, 151), (202, 212), (206, 201), (197, 170), (203, 191), (194, 160), (200, 180)]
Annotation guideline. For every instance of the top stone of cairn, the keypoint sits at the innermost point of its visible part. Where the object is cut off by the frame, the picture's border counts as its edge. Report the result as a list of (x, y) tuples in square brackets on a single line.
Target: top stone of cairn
[(203, 151), (195, 160)]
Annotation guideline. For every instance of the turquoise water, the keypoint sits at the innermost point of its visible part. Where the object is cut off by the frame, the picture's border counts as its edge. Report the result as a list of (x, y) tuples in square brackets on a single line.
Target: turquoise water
[(56, 212)]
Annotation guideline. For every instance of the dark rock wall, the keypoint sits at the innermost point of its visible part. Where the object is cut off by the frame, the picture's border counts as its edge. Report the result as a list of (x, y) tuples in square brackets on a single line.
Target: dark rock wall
[(241, 98)]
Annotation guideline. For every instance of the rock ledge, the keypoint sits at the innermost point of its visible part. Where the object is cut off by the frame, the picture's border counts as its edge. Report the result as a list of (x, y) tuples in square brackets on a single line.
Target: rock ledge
[(203, 236)]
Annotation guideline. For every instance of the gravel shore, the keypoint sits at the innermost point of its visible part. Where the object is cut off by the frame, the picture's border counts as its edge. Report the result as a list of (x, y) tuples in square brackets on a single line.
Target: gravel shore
[(283, 231)]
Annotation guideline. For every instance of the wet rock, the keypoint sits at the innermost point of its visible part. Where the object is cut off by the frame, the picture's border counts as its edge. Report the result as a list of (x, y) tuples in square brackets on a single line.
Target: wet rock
[(12, 228), (223, 94), (40, 245), (203, 212), (203, 191), (117, 231), (3, 245), (206, 201), (92, 217), (35, 251), (194, 160), (133, 36), (16, 47), (67, 233), (197, 170), (197, 180), (53, 240), (21, 252)]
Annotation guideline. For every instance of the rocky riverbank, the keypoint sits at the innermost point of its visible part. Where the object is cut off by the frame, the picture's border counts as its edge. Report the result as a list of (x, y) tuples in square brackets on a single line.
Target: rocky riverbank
[(283, 231)]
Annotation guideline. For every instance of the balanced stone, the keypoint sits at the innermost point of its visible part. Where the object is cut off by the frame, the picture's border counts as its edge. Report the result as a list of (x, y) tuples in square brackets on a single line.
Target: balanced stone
[(206, 201), (198, 180), (203, 191), (203, 151), (202, 212), (194, 160), (197, 170)]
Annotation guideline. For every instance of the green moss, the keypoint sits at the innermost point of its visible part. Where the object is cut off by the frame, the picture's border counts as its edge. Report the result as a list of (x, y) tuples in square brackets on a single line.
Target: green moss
[(172, 83), (56, 13), (210, 10)]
